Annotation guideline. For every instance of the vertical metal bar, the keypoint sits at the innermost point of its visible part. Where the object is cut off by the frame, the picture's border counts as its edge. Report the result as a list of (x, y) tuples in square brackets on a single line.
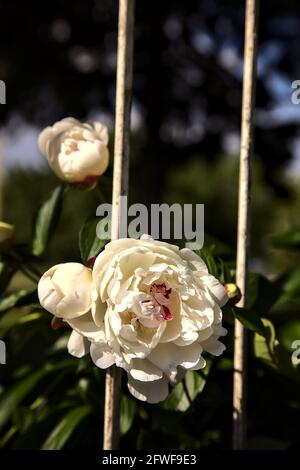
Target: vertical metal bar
[(243, 236), (120, 188)]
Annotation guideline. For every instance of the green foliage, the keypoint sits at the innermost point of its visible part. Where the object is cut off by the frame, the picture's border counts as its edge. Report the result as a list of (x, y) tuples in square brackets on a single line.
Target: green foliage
[(46, 220), (210, 261), (289, 240), (18, 298), (15, 395), (7, 270), (250, 320), (128, 412), (185, 393), (262, 293), (89, 243), (50, 400), (264, 345), (64, 429)]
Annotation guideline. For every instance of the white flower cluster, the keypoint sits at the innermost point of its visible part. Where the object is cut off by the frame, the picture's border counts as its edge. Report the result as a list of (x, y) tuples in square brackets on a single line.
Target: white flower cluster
[(146, 306)]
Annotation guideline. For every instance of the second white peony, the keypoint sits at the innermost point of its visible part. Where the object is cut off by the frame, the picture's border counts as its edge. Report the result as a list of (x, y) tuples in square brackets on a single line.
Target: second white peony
[(76, 152), (154, 310)]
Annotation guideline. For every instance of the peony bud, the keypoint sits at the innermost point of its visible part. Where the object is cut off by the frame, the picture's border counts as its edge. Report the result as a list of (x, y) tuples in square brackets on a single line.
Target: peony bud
[(233, 292), (76, 152), (65, 290)]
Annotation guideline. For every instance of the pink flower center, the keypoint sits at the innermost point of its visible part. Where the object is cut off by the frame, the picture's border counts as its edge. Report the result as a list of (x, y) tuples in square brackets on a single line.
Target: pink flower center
[(161, 294)]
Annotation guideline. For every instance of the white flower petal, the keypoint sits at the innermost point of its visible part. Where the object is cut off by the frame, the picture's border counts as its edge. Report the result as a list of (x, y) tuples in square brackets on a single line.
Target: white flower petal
[(87, 327), (213, 346), (194, 259), (145, 371), (152, 392), (168, 357), (101, 356), (78, 346), (187, 338), (216, 288)]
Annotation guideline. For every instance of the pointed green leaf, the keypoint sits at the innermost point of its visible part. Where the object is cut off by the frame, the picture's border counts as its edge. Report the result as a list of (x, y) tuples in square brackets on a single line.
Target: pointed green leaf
[(250, 320), (209, 261), (7, 270), (183, 394), (262, 293), (89, 243), (18, 299), (10, 399), (264, 346), (128, 412), (63, 431), (46, 220)]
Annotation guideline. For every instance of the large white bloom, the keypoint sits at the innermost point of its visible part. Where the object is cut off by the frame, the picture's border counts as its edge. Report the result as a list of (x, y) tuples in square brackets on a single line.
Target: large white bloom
[(77, 152), (154, 310)]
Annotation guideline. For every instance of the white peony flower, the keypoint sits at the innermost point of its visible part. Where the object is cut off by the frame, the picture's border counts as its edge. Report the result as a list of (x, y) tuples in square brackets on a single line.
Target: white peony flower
[(154, 310), (77, 152)]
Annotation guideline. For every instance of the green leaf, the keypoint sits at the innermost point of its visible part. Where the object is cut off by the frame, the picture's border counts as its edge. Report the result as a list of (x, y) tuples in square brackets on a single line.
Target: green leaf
[(250, 320), (16, 394), (225, 275), (16, 317), (128, 412), (272, 353), (291, 284), (262, 293), (264, 347), (289, 332), (7, 270), (184, 394), (289, 240), (18, 299), (22, 418), (217, 247), (8, 320), (209, 261), (89, 243), (11, 300), (62, 432), (46, 220)]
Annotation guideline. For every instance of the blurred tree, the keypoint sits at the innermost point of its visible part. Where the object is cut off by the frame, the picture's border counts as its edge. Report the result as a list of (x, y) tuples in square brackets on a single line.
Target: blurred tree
[(59, 58)]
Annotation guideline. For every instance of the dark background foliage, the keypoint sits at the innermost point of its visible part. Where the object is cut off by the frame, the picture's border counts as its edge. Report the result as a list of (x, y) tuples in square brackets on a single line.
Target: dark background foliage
[(58, 59)]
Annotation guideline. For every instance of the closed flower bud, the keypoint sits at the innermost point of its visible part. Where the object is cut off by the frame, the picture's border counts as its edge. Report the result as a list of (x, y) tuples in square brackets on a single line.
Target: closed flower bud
[(233, 292), (77, 152), (65, 290)]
